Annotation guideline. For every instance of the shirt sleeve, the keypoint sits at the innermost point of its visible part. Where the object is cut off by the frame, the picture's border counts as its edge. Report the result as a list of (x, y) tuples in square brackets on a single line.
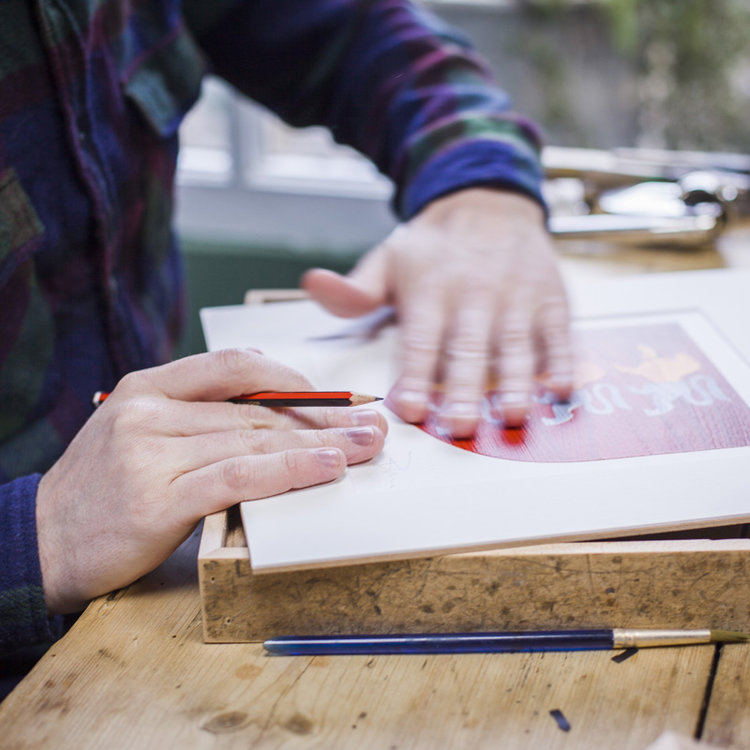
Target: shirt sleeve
[(24, 622), (388, 78)]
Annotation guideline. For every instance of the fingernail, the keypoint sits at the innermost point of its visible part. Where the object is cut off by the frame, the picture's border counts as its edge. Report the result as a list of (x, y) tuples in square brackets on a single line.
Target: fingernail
[(411, 398), (512, 408), (361, 435), (364, 417), (460, 409), (558, 381), (511, 398), (329, 457), (458, 418)]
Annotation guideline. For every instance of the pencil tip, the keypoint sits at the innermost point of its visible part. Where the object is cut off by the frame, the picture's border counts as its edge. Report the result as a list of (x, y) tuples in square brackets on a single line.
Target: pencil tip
[(729, 636), (357, 399)]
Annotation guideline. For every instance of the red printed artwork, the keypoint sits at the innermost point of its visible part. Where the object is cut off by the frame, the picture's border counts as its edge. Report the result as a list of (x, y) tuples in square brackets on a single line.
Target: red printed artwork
[(640, 390)]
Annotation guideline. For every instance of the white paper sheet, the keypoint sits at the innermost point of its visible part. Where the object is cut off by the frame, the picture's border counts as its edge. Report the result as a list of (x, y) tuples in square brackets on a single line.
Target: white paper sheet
[(422, 496)]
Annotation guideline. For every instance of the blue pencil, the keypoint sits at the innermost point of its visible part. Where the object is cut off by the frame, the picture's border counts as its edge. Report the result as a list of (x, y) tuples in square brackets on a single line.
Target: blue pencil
[(507, 642)]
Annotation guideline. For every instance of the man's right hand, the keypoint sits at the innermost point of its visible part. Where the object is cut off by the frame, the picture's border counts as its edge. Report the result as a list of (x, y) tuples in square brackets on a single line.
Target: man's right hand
[(164, 450)]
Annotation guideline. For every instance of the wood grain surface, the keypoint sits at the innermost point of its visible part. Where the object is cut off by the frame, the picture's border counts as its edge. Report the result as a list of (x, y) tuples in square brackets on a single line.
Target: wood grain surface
[(134, 673), (728, 716)]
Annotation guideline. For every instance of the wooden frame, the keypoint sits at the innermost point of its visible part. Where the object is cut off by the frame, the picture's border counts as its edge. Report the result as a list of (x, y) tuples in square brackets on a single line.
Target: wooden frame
[(668, 581), (678, 582)]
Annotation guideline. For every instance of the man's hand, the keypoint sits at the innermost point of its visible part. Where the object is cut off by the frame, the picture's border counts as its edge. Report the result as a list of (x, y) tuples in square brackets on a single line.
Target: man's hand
[(474, 280), (164, 450)]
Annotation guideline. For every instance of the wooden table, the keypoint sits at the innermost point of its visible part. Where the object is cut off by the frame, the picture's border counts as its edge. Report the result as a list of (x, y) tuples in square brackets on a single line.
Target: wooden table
[(134, 673)]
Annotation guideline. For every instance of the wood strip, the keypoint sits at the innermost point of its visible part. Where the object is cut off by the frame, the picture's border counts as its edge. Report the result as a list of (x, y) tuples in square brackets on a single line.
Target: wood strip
[(680, 583)]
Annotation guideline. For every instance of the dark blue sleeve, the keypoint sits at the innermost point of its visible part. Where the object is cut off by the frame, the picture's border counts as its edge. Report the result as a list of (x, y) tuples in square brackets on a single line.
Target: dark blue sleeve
[(24, 622), (388, 78)]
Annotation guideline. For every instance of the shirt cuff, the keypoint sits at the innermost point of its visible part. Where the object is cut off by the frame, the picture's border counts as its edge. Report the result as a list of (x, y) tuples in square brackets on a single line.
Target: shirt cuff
[(23, 613), (471, 164)]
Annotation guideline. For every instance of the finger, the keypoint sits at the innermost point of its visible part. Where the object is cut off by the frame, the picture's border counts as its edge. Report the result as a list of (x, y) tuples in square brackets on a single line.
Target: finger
[(466, 365), (338, 294), (215, 487), (358, 444), (215, 376), (337, 417), (515, 364), (362, 290), (421, 334), (556, 345), (182, 418)]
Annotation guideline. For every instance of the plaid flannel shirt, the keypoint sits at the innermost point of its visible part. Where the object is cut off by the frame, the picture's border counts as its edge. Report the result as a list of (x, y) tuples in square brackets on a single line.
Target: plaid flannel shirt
[(92, 93)]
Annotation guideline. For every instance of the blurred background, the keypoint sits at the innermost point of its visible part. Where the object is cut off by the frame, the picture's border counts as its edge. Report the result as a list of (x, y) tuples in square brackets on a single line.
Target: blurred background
[(258, 202)]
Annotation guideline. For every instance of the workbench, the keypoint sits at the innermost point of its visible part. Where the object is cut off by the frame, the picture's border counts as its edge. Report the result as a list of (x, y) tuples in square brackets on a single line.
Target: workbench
[(134, 671)]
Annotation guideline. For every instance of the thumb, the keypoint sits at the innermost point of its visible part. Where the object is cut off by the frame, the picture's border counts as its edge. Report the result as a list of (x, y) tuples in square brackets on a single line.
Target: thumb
[(364, 289)]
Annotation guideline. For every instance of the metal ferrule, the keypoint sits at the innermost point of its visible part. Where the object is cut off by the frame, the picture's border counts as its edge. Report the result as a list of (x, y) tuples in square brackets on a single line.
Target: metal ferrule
[(634, 638)]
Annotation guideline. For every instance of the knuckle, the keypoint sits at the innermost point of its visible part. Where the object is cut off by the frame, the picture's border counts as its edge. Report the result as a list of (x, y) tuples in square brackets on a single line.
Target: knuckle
[(326, 436), (140, 415), (331, 416), (133, 382), (472, 348), (256, 418), (516, 338), (293, 463), (420, 343), (236, 474), (232, 362), (254, 440)]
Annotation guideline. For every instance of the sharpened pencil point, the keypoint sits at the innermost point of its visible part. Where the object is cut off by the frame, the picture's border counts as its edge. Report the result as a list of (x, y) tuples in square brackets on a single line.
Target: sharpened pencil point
[(358, 399)]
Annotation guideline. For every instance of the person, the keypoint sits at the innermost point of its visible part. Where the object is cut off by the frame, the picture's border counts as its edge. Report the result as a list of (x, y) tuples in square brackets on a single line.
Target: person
[(91, 98)]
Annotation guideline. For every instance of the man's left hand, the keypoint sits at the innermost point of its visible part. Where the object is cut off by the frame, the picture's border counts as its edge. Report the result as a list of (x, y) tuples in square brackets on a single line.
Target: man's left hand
[(474, 280)]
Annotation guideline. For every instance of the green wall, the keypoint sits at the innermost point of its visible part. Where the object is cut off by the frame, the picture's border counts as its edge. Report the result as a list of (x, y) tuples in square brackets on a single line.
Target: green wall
[(220, 274)]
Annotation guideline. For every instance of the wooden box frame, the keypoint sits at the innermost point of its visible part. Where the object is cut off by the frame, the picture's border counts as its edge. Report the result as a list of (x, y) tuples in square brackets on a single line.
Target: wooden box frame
[(647, 582), (674, 582)]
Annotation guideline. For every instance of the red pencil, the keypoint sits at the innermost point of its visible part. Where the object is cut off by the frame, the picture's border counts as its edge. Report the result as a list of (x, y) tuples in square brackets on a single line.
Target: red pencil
[(288, 398), (304, 398)]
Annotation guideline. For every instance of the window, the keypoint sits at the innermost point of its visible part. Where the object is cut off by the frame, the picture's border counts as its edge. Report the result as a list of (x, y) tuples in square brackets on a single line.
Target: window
[(244, 175), (593, 72)]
